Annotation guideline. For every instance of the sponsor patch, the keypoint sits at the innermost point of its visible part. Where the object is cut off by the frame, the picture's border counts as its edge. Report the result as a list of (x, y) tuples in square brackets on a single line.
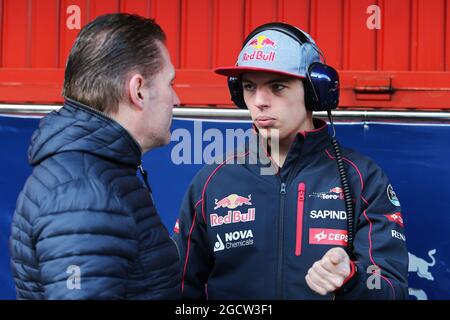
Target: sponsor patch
[(232, 201), (176, 229), (259, 55), (235, 239), (328, 236), (395, 217), (234, 216), (392, 196), (261, 42), (328, 214), (333, 194), (398, 235)]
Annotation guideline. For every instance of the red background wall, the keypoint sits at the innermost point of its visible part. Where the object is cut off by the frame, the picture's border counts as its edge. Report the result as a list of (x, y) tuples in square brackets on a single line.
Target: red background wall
[(409, 55)]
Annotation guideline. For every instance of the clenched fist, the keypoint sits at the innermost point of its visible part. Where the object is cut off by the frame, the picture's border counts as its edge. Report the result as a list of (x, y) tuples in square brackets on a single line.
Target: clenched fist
[(329, 273)]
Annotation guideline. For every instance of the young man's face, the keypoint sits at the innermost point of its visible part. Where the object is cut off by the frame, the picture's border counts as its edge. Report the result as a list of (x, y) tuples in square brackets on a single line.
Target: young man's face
[(160, 98), (277, 102)]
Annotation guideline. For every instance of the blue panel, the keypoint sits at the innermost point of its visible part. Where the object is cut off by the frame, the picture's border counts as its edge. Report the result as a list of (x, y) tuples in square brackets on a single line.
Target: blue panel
[(15, 134), (415, 156)]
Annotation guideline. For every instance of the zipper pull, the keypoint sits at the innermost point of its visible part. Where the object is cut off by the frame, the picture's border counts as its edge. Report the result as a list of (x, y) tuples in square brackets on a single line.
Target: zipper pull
[(283, 188), (145, 176), (300, 211), (301, 191), (142, 170)]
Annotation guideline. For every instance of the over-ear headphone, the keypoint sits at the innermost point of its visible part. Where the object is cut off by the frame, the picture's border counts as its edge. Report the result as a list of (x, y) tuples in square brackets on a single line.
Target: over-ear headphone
[(321, 83)]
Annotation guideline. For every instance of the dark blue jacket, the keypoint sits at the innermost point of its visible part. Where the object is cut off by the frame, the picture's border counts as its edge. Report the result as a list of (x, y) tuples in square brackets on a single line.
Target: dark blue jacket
[(85, 226), (245, 235)]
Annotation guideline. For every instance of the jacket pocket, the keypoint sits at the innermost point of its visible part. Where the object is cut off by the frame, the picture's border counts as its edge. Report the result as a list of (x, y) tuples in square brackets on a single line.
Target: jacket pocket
[(299, 227)]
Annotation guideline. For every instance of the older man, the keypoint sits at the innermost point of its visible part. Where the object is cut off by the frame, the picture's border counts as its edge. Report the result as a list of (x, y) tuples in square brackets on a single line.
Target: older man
[(85, 226)]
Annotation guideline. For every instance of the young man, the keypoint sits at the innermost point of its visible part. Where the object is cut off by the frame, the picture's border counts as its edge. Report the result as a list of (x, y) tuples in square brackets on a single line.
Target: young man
[(247, 235), (85, 226)]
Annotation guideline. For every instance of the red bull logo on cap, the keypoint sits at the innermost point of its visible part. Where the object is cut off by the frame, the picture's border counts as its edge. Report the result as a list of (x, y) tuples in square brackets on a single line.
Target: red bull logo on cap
[(261, 42), (259, 55)]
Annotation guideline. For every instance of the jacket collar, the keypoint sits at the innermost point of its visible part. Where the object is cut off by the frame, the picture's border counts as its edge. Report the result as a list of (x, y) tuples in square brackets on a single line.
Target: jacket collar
[(305, 144), (311, 141), (78, 127)]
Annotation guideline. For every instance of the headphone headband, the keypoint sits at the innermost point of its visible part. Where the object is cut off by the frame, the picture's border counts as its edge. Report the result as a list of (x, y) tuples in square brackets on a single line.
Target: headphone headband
[(321, 83), (285, 28)]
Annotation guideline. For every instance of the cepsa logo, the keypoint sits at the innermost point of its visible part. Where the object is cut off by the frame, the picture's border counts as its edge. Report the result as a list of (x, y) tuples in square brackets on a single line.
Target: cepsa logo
[(233, 216), (328, 236)]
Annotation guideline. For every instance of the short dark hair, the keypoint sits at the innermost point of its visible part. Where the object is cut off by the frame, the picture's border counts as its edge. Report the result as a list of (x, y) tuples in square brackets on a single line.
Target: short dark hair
[(105, 52)]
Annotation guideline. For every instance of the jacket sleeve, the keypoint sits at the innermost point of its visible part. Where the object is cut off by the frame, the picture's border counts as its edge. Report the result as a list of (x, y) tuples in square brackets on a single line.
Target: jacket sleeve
[(85, 243), (380, 253), (191, 237)]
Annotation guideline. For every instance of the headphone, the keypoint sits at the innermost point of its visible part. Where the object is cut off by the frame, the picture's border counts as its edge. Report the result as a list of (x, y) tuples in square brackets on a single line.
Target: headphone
[(321, 83)]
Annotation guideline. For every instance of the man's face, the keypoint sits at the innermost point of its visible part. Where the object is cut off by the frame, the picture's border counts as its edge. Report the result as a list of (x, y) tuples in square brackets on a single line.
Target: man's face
[(277, 102), (160, 98)]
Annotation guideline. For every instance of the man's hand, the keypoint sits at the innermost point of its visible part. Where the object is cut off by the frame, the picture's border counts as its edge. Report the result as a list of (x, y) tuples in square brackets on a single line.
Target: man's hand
[(329, 273)]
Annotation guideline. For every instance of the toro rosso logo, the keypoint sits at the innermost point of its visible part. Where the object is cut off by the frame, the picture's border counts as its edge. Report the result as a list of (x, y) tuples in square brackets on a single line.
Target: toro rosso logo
[(336, 190), (261, 48), (261, 42), (334, 194)]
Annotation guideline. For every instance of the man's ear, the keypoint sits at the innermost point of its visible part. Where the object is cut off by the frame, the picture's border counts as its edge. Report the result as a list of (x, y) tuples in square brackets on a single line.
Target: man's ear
[(136, 90)]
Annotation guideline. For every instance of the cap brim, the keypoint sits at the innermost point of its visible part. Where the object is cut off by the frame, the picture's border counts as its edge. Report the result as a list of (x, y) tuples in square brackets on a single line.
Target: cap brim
[(236, 71)]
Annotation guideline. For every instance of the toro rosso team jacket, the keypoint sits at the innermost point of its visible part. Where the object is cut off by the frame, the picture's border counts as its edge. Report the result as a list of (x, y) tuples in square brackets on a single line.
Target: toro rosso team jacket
[(247, 235)]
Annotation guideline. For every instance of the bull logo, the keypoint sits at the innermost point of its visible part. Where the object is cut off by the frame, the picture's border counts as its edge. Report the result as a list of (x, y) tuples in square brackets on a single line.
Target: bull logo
[(261, 42), (420, 267), (232, 201)]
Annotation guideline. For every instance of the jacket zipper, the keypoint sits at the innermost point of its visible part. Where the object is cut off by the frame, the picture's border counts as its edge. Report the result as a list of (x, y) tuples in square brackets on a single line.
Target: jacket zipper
[(300, 207), (280, 242), (281, 228), (145, 176)]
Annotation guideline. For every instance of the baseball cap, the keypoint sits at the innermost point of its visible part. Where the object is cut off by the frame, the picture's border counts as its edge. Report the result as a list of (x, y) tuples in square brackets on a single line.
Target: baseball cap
[(274, 51)]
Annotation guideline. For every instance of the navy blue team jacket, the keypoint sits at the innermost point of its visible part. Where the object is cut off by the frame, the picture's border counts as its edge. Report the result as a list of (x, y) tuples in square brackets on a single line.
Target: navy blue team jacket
[(247, 235)]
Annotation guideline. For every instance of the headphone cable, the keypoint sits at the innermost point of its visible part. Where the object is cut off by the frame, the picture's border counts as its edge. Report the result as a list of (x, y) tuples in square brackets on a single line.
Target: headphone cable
[(345, 187)]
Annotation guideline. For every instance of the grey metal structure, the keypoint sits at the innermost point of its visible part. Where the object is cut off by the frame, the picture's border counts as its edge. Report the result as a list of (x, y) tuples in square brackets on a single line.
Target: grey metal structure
[(239, 114)]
